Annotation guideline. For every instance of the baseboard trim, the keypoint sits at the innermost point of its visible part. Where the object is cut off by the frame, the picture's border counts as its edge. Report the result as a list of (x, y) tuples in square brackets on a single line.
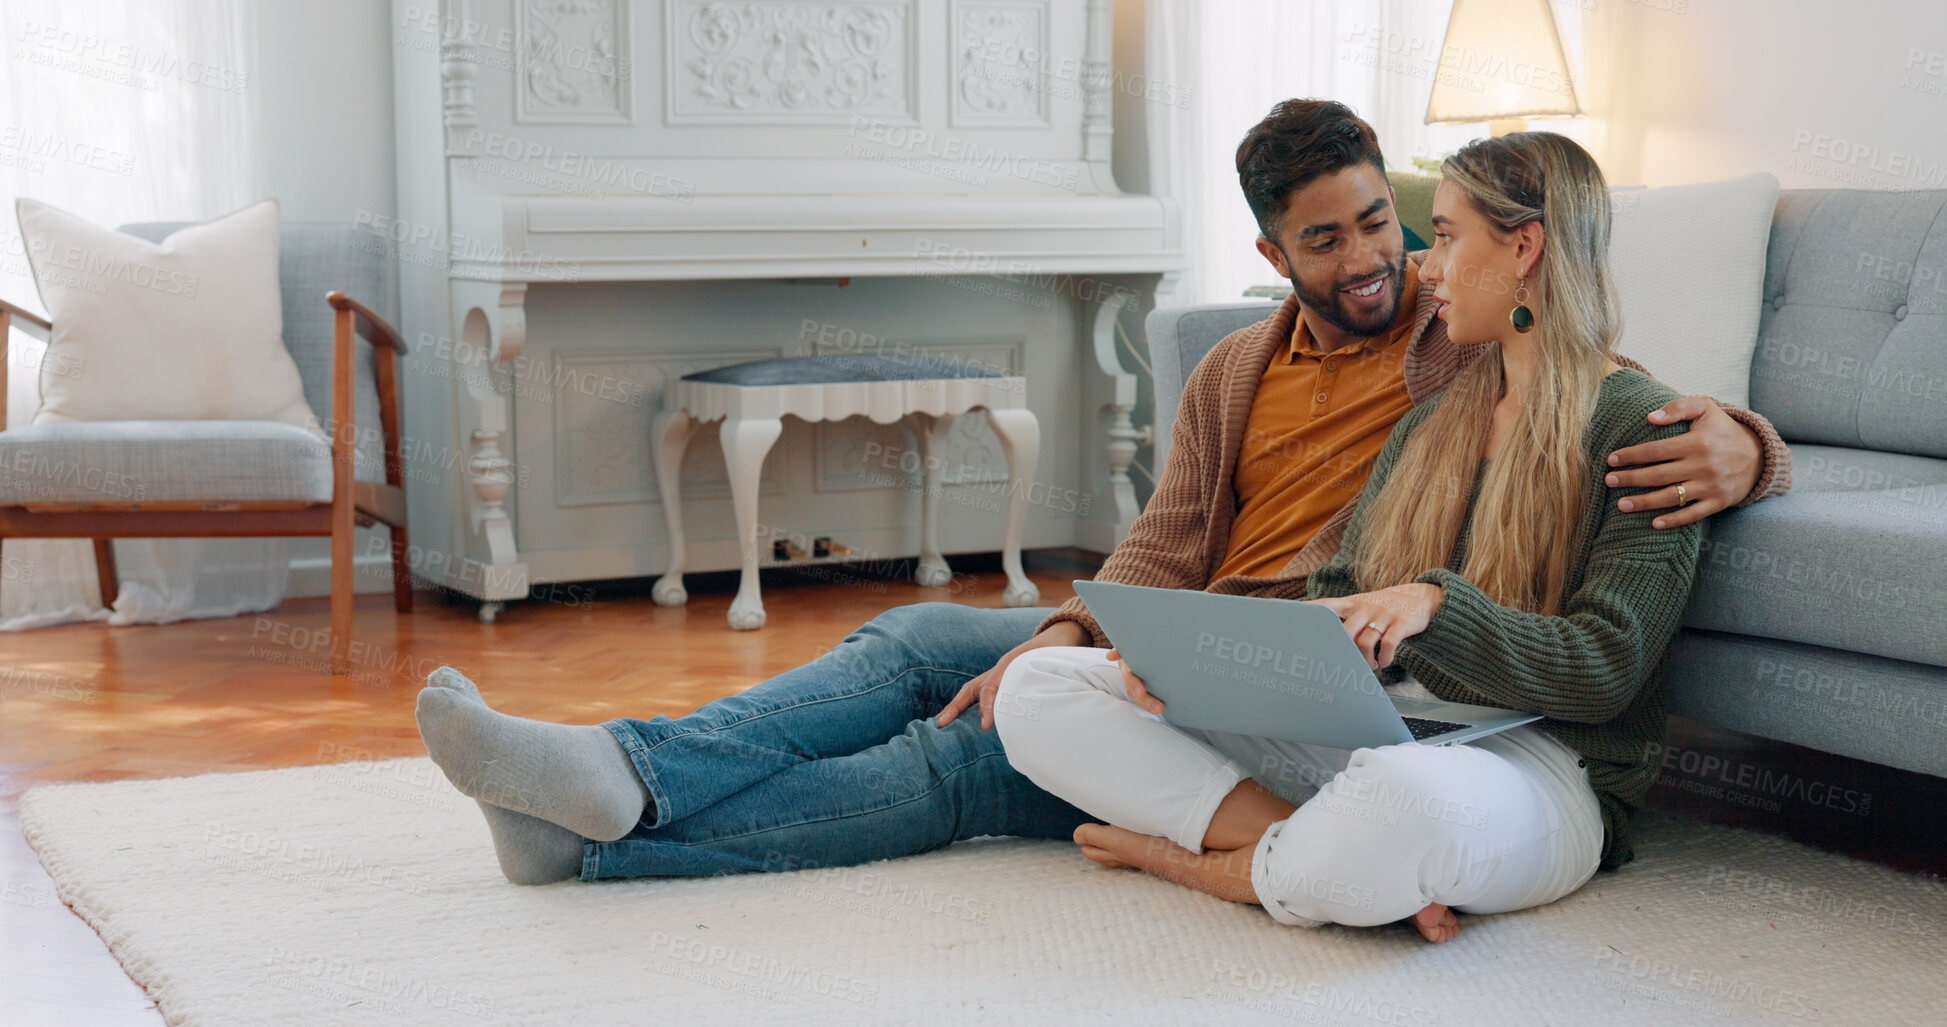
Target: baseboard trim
[(311, 576)]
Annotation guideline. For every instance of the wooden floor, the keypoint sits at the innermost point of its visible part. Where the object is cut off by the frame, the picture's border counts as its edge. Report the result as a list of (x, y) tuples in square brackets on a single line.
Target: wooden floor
[(94, 703), (88, 702)]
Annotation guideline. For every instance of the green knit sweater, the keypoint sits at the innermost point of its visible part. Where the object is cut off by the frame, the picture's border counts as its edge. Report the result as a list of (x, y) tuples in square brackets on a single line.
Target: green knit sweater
[(1594, 672)]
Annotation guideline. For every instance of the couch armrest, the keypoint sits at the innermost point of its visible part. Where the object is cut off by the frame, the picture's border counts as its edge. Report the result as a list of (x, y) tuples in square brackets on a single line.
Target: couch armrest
[(36, 325), (1179, 337), (352, 319), (31, 323), (375, 328)]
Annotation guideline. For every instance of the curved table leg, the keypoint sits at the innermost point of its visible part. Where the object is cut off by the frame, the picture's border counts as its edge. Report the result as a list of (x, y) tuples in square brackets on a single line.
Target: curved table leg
[(1020, 436), (670, 434), (932, 570), (744, 446)]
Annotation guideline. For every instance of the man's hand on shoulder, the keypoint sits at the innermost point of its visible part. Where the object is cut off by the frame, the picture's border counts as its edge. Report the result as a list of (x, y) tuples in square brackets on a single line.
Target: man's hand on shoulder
[(1716, 463)]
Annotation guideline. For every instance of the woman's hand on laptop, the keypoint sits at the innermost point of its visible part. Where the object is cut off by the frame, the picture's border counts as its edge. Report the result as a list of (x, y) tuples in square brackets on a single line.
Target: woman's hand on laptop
[(1138, 692), (1379, 621)]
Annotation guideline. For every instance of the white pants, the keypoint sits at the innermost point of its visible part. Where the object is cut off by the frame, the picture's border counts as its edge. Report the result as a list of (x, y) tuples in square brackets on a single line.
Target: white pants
[(1502, 823)]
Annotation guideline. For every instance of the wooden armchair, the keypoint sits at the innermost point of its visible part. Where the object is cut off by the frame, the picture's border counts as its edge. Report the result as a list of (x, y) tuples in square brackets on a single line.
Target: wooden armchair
[(199, 479)]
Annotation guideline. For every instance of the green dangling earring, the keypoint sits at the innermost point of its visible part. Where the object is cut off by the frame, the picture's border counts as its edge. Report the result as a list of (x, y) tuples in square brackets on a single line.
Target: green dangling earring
[(1521, 316)]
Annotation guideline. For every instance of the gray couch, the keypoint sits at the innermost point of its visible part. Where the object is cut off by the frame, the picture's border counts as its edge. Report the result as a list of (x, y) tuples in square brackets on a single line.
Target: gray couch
[(1820, 617)]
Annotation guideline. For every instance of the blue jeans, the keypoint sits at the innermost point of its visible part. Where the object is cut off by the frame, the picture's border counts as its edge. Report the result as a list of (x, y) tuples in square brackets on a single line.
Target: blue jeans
[(836, 762)]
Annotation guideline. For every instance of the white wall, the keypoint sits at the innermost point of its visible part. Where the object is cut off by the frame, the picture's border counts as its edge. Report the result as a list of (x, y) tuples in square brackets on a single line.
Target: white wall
[(324, 81), (324, 103), (1817, 92)]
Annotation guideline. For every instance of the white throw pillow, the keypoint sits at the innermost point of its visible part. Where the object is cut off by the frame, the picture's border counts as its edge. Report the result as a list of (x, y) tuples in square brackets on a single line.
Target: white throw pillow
[(190, 328), (1688, 265)]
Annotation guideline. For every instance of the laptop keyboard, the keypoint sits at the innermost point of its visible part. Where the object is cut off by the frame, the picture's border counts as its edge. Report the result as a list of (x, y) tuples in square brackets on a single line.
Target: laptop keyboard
[(1424, 728)]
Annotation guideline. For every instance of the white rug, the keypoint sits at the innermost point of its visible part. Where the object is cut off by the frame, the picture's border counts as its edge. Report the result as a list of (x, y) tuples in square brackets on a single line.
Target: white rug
[(367, 893)]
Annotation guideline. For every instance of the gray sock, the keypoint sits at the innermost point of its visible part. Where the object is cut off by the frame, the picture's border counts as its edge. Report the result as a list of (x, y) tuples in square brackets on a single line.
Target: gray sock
[(574, 776), (531, 850)]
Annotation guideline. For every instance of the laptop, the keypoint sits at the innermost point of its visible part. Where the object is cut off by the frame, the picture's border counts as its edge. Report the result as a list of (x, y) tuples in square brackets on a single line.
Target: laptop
[(1270, 668)]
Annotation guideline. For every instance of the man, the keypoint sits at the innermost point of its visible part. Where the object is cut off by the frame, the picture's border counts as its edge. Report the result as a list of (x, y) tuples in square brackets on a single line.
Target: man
[(843, 760)]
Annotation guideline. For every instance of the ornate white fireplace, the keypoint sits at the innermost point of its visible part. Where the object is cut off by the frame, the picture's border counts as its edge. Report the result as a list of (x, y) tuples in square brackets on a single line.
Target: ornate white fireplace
[(598, 196)]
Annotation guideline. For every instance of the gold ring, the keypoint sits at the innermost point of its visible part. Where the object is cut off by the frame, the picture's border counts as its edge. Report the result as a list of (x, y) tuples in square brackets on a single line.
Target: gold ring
[(1681, 498)]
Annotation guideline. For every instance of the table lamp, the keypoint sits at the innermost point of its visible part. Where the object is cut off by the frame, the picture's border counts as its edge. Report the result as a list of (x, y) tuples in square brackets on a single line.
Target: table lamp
[(1502, 63)]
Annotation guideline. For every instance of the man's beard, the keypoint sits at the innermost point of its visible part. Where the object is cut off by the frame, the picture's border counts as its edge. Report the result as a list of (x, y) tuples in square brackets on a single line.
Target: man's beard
[(1327, 305)]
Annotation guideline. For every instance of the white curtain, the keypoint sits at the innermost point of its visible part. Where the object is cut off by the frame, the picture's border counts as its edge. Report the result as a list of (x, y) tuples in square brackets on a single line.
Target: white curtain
[(121, 111), (1236, 58)]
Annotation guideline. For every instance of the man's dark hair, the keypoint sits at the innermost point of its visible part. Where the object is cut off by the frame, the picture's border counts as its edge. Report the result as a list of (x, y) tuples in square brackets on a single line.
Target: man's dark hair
[(1295, 143)]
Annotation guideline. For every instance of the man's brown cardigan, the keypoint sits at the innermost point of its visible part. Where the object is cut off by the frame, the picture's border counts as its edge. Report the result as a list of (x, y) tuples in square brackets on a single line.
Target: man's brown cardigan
[(1181, 537)]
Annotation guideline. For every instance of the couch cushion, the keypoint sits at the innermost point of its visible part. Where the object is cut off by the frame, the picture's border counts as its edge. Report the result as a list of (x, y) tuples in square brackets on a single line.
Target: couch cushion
[(1854, 558), (1888, 711), (1852, 338), (1694, 320), (316, 257), (163, 461), (189, 328)]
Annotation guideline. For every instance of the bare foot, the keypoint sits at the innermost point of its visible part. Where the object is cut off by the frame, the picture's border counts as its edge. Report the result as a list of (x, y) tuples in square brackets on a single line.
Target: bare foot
[(1094, 840), (1437, 924), (1223, 873)]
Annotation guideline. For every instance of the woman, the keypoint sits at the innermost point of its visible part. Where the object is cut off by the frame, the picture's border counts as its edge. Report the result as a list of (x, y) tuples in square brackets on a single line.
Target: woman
[(1487, 564)]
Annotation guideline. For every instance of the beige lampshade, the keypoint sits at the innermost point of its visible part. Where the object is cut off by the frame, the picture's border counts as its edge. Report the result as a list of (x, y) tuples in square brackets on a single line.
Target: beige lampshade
[(1501, 59)]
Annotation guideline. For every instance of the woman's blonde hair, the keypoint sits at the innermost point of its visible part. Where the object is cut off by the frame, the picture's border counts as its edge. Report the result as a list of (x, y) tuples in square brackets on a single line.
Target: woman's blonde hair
[(1530, 501)]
